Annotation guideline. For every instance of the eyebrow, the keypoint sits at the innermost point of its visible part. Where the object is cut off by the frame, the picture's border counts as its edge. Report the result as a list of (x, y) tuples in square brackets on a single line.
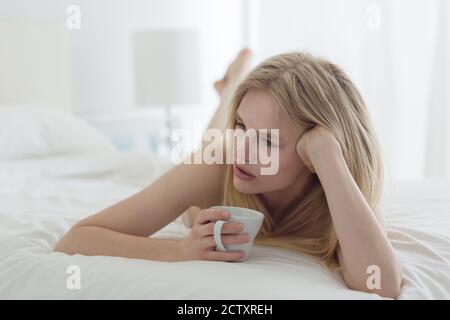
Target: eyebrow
[(269, 133)]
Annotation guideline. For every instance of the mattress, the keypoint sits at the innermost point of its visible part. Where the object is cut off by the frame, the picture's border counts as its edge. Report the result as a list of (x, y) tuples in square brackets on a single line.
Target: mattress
[(40, 198)]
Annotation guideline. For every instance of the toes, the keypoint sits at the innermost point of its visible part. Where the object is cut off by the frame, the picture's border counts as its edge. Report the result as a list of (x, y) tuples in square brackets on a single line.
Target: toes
[(235, 70), (240, 64), (245, 52)]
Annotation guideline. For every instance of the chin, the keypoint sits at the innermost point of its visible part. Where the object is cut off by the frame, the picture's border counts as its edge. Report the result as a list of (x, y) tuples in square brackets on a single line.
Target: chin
[(244, 186)]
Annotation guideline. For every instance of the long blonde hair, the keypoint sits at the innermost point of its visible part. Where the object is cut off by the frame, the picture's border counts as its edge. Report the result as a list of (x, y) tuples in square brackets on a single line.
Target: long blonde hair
[(312, 91)]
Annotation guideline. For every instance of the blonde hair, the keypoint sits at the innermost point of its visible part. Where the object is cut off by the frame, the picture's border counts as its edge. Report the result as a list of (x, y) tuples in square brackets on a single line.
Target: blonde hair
[(312, 91)]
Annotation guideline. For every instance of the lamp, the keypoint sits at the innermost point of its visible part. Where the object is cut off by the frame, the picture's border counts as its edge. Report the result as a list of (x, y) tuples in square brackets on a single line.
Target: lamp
[(167, 70)]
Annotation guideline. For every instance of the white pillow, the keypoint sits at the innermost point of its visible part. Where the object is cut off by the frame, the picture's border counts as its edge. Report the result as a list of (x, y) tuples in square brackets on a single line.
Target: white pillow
[(36, 131)]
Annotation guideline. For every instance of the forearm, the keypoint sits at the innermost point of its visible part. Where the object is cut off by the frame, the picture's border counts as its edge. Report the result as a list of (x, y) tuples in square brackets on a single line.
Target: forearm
[(91, 241), (362, 239)]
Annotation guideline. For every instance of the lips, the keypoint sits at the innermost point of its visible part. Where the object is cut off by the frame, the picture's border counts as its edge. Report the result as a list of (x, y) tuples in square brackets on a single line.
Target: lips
[(242, 174), (245, 171)]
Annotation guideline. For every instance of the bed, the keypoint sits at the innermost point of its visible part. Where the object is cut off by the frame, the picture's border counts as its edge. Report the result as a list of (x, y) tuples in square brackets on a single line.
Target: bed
[(47, 185)]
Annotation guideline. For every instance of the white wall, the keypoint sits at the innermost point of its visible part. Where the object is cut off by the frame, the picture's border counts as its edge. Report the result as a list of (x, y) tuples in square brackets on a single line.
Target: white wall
[(394, 65), (401, 67), (101, 66)]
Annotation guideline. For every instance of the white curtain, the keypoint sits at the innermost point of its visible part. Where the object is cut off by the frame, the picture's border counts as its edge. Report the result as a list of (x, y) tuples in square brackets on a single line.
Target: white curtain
[(438, 148), (396, 51)]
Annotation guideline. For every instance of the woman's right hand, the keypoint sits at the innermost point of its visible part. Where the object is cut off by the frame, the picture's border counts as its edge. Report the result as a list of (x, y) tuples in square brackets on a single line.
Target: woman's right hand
[(200, 245)]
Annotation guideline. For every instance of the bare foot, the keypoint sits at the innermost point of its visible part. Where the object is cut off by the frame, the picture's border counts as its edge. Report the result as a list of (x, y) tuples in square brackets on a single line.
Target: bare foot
[(236, 70)]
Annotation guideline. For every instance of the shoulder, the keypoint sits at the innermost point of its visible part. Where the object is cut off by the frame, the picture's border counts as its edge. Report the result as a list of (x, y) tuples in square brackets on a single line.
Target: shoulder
[(201, 179)]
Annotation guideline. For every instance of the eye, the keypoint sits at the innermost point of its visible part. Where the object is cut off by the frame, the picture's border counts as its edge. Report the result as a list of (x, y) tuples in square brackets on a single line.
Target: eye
[(264, 137), (267, 141), (240, 125)]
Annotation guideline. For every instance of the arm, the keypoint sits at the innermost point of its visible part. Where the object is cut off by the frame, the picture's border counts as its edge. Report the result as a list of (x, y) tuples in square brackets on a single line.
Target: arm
[(123, 228), (92, 240), (362, 237)]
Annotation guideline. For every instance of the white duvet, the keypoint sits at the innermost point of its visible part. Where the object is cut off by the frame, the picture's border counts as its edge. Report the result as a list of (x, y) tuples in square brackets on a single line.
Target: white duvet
[(41, 198)]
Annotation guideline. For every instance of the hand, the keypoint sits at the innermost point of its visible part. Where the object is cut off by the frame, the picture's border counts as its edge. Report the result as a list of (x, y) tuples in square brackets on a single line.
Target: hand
[(313, 143), (200, 245)]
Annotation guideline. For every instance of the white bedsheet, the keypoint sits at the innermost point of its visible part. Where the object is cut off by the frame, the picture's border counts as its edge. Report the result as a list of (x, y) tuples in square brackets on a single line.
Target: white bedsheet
[(41, 198)]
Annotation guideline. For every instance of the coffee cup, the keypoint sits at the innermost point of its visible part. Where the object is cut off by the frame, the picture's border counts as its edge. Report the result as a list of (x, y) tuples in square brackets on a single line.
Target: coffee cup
[(251, 220)]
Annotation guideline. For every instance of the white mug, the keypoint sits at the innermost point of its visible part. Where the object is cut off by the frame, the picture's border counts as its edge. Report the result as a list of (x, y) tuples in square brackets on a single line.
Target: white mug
[(251, 220)]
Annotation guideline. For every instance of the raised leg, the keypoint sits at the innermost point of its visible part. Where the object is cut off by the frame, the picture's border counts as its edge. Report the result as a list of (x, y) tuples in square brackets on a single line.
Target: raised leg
[(226, 86)]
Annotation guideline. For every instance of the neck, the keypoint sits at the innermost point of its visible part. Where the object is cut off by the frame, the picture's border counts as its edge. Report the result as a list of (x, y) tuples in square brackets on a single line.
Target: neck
[(279, 201)]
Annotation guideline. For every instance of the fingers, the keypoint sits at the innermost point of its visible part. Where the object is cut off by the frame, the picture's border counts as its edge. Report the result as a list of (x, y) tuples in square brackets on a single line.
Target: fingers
[(224, 256), (203, 231), (228, 239), (212, 214), (228, 227)]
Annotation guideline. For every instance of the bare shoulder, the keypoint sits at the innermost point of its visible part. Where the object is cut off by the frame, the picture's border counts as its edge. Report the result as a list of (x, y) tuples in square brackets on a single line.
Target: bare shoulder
[(200, 184)]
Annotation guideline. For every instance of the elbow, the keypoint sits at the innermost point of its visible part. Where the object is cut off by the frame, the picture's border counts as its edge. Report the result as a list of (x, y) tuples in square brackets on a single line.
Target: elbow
[(389, 285), (393, 284), (391, 293), (66, 244), (60, 245), (389, 290)]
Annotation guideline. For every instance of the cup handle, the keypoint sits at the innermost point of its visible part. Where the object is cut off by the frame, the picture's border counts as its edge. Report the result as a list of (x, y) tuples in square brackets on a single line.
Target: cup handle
[(217, 235)]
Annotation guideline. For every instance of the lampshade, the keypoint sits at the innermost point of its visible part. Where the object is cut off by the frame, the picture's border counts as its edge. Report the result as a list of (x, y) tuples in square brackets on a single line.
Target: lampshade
[(167, 67)]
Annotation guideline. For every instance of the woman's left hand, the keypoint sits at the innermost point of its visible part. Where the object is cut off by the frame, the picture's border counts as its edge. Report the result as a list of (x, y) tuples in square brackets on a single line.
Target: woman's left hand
[(313, 143)]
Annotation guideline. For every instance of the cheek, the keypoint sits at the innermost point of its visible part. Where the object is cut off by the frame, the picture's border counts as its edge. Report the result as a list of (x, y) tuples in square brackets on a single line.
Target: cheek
[(290, 166), (301, 165)]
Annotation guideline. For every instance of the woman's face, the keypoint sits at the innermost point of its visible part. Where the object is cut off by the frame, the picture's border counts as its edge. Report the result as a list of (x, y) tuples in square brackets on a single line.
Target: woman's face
[(259, 110)]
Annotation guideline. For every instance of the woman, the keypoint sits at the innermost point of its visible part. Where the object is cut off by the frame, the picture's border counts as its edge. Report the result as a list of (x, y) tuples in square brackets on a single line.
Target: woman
[(322, 201)]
